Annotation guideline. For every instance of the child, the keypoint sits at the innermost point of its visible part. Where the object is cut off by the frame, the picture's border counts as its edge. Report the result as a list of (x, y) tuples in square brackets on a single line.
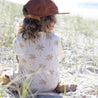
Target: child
[(38, 48)]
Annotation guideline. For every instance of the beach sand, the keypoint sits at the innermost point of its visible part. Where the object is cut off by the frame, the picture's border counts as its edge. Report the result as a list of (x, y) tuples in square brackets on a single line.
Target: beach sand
[(79, 66), (79, 38)]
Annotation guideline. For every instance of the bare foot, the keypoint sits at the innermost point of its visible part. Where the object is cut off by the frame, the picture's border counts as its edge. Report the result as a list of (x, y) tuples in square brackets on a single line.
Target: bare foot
[(5, 79), (61, 88), (71, 87), (13, 87)]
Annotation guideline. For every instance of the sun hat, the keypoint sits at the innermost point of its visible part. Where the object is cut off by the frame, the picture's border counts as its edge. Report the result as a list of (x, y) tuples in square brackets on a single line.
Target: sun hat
[(41, 8)]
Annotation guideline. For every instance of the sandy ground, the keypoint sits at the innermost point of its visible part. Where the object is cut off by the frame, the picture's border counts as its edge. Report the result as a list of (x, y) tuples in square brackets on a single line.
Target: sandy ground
[(79, 66), (86, 79)]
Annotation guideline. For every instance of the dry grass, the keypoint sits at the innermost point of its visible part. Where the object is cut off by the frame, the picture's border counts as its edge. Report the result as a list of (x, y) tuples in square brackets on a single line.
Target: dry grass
[(79, 39)]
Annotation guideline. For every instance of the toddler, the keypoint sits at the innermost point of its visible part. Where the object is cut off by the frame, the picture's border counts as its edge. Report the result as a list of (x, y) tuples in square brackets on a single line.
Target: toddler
[(38, 49)]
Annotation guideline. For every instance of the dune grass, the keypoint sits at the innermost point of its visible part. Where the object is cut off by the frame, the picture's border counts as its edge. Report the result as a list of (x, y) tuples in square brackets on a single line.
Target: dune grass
[(9, 16), (78, 36)]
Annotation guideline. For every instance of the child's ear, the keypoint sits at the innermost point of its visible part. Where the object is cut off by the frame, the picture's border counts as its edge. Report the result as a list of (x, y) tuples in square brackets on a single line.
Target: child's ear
[(25, 12)]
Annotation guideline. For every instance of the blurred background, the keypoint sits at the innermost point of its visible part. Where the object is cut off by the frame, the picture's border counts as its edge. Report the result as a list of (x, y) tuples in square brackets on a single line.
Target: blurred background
[(85, 8)]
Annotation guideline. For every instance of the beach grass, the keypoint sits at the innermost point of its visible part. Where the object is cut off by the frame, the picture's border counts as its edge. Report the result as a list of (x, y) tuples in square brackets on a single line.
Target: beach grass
[(79, 38)]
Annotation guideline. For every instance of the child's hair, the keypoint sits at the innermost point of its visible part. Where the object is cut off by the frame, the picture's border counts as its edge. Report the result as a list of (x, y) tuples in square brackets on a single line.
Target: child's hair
[(30, 28)]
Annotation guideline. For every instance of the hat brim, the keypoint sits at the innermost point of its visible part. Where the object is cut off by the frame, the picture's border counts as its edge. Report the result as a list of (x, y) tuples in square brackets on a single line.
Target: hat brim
[(64, 13)]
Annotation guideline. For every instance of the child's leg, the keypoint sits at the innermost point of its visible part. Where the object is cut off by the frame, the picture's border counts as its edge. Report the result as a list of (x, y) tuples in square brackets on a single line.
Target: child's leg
[(61, 87)]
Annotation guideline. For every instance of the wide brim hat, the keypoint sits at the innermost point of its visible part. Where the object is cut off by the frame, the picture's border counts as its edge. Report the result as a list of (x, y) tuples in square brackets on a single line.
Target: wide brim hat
[(41, 8)]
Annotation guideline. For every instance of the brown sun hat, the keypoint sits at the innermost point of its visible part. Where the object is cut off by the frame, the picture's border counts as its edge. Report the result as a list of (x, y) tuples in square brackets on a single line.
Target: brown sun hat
[(41, 8)]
